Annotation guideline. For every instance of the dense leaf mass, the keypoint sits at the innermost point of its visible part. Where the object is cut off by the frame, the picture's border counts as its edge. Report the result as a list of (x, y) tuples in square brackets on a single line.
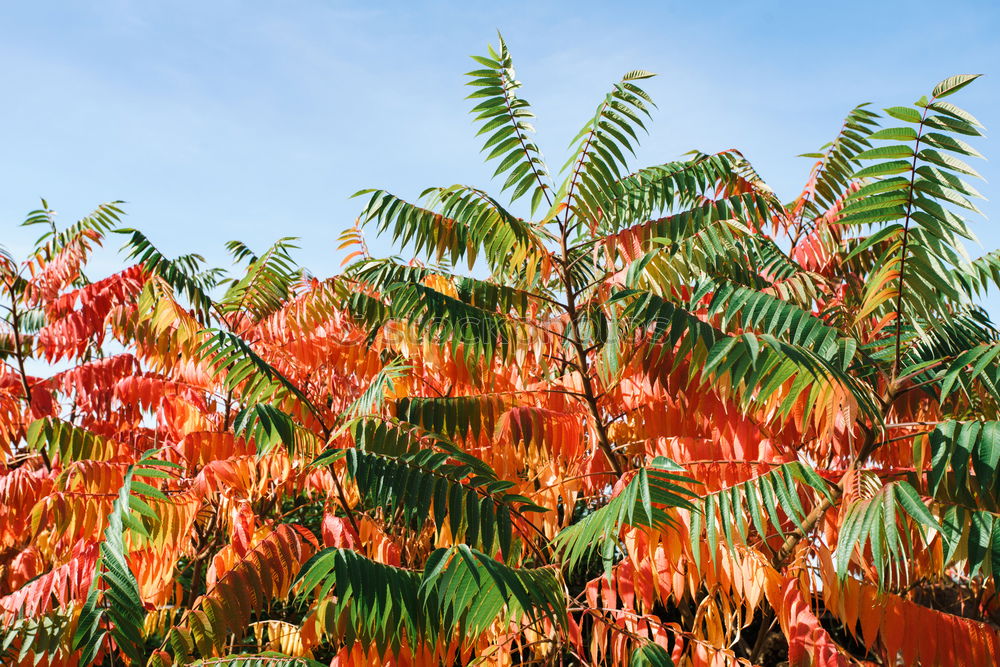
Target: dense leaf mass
[(664, 418)]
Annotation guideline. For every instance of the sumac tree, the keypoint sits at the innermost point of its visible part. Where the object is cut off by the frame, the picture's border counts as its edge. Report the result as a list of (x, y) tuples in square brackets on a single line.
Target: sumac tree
[(604, 415)]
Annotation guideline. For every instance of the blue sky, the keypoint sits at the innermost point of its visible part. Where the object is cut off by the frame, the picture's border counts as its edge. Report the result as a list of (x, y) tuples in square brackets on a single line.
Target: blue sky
[(254, 120)]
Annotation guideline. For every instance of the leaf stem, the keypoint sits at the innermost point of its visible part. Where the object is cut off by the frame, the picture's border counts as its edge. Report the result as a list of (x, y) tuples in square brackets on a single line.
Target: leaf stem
[(902, 249)]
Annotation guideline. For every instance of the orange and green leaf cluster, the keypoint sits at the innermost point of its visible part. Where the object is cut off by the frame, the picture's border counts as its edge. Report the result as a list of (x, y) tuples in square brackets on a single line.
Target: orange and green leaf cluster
[(662, 418)]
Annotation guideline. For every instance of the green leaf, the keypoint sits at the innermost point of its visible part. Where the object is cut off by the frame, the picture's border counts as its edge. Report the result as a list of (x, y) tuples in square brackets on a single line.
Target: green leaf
[(123, 603), (907, 114), (504, 115), (953, 84), (952, 446), (887, 152), (895, 134), (650, 655), (884, 169)]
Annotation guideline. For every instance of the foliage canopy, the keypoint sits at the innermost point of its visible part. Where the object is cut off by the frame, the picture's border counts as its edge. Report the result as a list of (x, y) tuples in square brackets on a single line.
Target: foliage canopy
[(604, 416)]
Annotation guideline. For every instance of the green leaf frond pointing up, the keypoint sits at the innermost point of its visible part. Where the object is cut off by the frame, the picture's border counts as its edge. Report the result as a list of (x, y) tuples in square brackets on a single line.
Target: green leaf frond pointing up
[(914, 196), (505, 119), (599, 161), (268, 281), (119, 602)]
